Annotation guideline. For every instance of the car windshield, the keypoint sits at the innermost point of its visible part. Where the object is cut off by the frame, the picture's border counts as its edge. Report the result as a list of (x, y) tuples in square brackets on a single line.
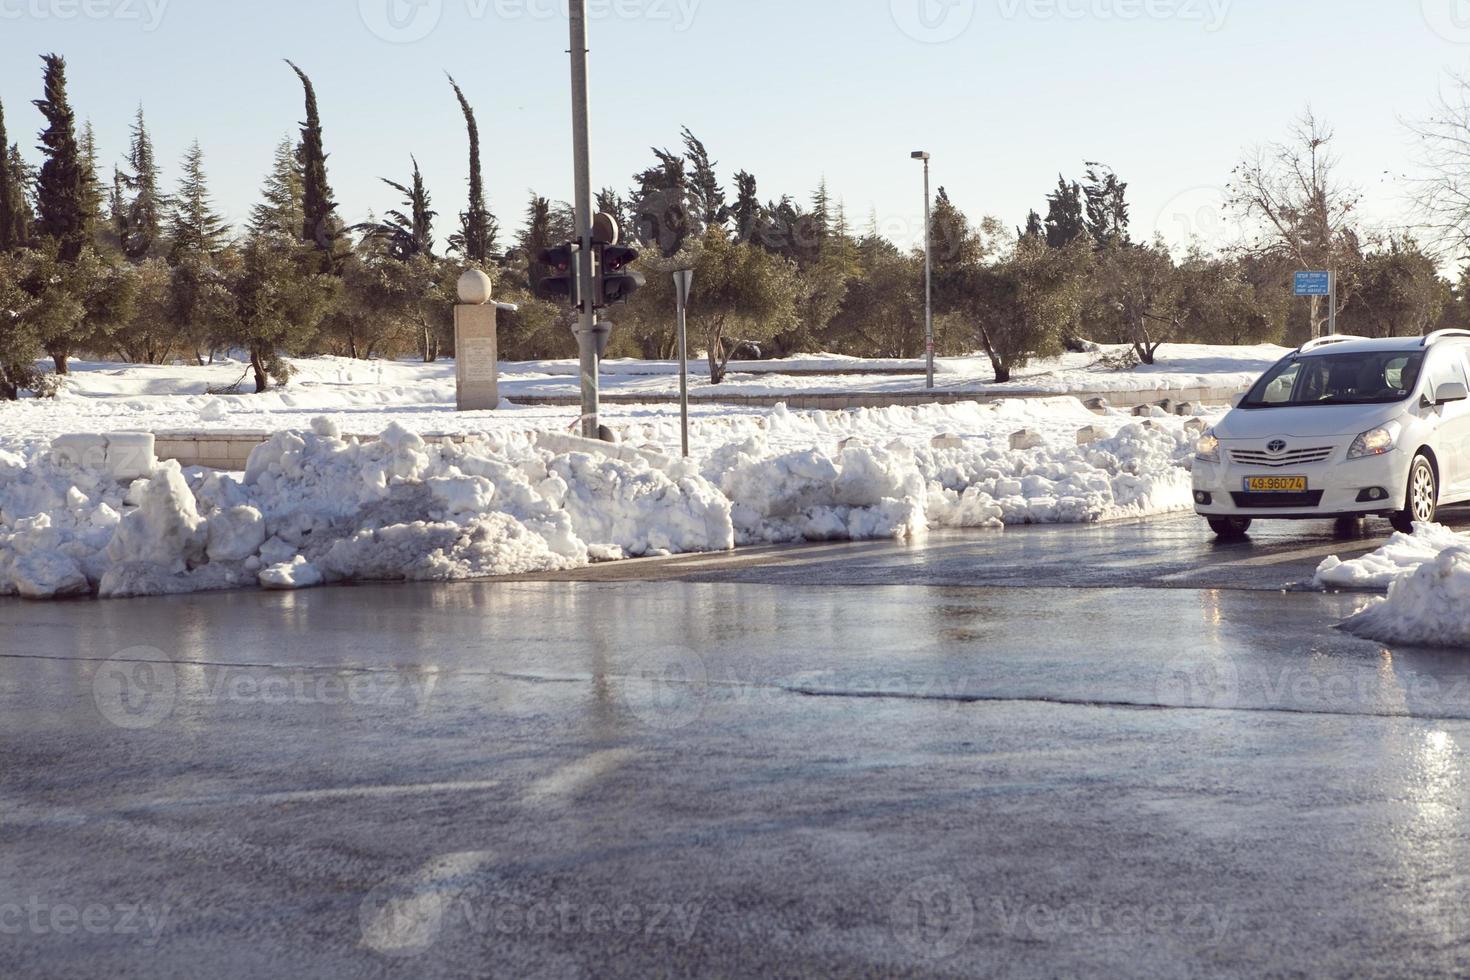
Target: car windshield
[(1374, 377)]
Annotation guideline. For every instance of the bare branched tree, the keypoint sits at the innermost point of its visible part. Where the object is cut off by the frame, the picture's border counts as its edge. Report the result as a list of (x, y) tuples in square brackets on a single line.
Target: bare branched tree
[(1303, 213), (1441, 190)]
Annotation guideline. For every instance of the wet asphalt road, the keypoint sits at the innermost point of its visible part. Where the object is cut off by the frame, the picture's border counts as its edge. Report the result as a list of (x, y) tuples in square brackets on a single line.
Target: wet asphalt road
[(1119, 750)]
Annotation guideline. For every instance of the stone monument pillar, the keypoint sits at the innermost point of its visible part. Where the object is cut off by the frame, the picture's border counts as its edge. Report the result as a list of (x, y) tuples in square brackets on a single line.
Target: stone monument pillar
[(475, 347)]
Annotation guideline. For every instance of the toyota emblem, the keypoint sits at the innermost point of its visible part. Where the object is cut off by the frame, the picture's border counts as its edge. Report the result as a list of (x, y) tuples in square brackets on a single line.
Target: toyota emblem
[(1278, 447)]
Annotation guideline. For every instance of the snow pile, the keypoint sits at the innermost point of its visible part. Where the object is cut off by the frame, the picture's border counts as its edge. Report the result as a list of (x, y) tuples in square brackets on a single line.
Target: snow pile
[(1427, 575), (314, 507), (1401, 557)]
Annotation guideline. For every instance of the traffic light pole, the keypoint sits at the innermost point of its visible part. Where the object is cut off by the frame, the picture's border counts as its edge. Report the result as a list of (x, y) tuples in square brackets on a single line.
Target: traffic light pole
[(582, 154)]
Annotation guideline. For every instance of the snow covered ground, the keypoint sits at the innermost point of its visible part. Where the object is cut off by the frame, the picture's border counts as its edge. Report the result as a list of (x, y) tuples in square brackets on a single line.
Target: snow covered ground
[(363, 397), (1427, 578)]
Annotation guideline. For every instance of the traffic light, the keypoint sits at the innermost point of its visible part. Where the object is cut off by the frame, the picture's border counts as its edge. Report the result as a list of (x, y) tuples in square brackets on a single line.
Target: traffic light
[(563, 282), (616, 282)]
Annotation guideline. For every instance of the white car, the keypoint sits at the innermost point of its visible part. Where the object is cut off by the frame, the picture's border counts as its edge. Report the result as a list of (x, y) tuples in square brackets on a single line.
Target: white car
[(1344, 428)]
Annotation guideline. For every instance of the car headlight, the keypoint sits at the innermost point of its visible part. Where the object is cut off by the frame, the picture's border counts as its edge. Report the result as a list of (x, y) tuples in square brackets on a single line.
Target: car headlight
[(1208, 448), (1376, 442)]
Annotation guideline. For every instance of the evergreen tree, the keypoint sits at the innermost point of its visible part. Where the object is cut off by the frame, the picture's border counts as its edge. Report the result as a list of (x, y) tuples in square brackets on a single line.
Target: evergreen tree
[(708, 197), (1034, 229), (608, 202), (319, 225), (664, 212), (476, 239), (536, 237), (279, 306), (1107, 206), (748, 214), (407, 236), (15, 210), (92, 187), (143, 230), (1065, 220), (60, 189), (282, 212), (194, 226)]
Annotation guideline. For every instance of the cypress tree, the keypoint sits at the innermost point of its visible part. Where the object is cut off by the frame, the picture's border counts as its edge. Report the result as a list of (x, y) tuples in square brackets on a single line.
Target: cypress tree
[(704, 184), (145, 211), (60, 191), (1065, 222), (748, 213), (478, 228), (194, 225), (318, 226), (407, 236)]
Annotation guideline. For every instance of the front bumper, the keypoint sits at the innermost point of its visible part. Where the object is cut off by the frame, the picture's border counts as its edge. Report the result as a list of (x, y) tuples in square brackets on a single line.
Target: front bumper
[(1335, 487)]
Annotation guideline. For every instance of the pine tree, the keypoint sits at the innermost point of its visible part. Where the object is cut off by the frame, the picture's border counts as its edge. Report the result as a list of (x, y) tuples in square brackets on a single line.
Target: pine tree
[(704, 185), (476, 239), (319, 225), (15, 214), (536, 237), (748, 214), (194, 226), (1034, 229), (92, 186), (1065, 222), (608, 202), (1107, 206), (282, 211), (60, 190), (144, 229), (407, 236), (663, 207)]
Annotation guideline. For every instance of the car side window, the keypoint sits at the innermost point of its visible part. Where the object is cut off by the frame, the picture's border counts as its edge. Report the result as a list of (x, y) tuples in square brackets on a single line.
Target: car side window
[(1446, 368), (1280, 389)]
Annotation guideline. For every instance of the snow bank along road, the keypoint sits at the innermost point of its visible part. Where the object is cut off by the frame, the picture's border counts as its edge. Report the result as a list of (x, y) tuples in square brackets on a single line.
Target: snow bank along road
[(99, 515)]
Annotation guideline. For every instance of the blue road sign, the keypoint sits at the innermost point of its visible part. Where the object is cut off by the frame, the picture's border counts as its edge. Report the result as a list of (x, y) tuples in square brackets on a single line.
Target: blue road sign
[(1314, 284)]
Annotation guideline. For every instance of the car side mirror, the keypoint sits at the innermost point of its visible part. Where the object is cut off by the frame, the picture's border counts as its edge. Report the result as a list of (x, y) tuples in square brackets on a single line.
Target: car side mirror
[(1451, 392)]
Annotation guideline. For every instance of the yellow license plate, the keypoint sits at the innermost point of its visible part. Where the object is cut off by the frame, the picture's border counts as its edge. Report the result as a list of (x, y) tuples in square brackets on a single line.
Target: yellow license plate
[(1276, 484)]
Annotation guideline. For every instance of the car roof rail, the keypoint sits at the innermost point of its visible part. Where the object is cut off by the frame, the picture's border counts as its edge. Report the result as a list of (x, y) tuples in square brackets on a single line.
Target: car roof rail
[(1337, 338), (1439, 335)]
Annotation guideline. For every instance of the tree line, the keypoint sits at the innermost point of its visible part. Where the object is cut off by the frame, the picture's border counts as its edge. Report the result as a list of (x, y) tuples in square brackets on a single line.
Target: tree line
[(126, 269)]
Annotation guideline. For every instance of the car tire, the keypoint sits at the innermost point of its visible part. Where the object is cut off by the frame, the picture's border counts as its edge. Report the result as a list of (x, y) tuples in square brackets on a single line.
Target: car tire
[(1421, 504), (1230, 528)]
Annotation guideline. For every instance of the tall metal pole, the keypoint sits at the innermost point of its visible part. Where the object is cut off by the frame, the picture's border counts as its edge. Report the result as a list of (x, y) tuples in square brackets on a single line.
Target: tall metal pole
[(582, 201), (682, 281), (1332, 303), (928, 278)]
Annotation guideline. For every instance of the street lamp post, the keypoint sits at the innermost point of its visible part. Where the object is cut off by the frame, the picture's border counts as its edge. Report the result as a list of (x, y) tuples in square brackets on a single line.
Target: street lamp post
[(928, 273)]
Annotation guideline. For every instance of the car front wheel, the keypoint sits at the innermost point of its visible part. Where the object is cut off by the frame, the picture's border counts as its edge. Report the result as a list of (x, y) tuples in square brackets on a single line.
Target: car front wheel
[(1230, 528), (1422, 503)]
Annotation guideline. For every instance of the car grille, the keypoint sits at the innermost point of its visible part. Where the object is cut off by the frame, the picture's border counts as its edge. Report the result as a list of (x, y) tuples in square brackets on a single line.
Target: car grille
[(1278, 501), (1300, 457)]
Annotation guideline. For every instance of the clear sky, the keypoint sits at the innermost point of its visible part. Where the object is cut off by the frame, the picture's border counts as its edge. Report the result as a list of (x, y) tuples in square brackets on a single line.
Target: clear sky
[(1004, 93)]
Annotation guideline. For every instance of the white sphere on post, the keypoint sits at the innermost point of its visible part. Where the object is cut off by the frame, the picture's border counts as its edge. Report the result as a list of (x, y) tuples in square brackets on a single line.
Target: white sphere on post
[(474, 288)]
